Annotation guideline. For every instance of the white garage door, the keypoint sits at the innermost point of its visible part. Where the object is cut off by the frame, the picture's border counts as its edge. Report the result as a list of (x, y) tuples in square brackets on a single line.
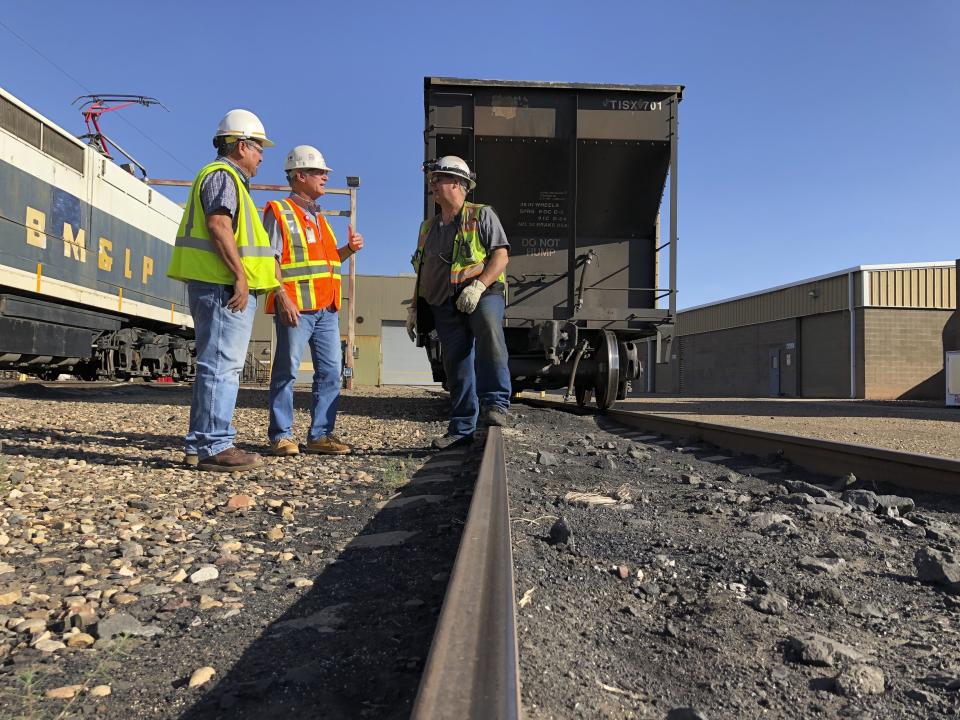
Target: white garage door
[(403, 362)]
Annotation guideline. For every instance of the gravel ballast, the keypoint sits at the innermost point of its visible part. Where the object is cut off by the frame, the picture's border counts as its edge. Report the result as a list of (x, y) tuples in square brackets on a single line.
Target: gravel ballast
[(655, 583), (133, 587)]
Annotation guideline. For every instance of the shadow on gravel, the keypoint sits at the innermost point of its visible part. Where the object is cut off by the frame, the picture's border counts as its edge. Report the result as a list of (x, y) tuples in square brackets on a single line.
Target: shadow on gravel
[(147, 394), (142, 441), (355, 644), (62, 445)]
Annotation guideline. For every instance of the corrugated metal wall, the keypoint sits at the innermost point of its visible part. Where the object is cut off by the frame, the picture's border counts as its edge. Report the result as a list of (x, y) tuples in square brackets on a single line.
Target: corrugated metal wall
[(930, 287), (820, 296)]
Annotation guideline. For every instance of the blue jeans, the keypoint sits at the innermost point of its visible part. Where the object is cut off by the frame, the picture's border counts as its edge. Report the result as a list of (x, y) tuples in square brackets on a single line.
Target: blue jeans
[(321, 330), (474, 359), (222, 337)]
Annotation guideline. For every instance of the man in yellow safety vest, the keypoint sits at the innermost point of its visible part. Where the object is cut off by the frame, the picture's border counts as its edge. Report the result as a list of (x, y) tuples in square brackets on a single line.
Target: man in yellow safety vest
[(461, 256), (223, 254)]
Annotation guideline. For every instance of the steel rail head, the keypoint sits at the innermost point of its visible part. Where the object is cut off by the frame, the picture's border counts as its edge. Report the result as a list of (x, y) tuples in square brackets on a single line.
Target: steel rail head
[(472, 671)]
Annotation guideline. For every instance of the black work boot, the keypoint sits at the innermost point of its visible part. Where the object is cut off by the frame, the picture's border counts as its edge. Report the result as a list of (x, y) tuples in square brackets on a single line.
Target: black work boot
[(496, 416)]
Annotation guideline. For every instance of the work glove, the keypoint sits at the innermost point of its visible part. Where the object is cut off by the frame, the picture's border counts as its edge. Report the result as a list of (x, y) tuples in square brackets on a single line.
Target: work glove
[(467, 302), (412, 322)]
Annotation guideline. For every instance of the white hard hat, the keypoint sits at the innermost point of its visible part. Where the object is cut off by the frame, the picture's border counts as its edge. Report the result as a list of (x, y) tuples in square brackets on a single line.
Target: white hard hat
[(242, 124), (305, 157), (452, 165)]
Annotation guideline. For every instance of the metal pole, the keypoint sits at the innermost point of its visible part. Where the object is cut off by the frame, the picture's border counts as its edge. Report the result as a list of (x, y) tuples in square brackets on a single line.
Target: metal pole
[(352, 299), (851, 308), (253, 186), (674, 234)]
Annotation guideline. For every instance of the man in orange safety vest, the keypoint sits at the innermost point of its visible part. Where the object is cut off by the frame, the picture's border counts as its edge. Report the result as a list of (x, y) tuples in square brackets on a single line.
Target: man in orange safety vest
[(305, 308)]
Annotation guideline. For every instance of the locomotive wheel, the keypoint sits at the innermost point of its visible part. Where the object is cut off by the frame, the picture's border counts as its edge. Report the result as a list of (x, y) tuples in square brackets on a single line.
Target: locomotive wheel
[(608, 370)]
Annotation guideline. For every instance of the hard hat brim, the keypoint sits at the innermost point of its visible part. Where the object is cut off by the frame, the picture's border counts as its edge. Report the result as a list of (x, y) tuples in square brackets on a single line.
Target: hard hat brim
[(470, 181), (240, 136), (324, 168)]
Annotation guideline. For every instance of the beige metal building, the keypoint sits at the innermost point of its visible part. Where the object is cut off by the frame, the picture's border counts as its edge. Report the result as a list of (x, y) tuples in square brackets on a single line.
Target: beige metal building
[(383, 353), (872, 331)]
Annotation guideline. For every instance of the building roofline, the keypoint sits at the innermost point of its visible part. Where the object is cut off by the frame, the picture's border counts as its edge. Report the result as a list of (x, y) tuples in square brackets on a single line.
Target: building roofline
[(836, 273)]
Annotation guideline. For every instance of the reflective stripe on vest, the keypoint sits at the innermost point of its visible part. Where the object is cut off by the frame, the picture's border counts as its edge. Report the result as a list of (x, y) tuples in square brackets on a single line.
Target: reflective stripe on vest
[(194, 256), (469, 255), (306, 279)]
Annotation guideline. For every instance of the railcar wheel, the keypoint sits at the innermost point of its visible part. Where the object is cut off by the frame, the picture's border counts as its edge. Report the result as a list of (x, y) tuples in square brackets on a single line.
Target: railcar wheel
[(608, 370)]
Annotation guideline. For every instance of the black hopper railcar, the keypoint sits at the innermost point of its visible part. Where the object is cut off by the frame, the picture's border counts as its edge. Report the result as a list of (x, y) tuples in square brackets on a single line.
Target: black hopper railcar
[(576, 173)]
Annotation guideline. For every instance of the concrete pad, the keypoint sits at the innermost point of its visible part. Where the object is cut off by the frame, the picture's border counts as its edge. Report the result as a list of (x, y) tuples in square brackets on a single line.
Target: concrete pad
[(387, 539)]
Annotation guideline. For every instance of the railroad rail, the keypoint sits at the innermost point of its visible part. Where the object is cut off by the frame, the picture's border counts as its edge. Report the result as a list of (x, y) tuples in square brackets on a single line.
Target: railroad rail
[(472, 671), (913, 471)]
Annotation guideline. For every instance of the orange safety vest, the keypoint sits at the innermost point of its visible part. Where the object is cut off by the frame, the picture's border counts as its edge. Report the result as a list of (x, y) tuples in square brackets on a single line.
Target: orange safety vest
[(310, 262)]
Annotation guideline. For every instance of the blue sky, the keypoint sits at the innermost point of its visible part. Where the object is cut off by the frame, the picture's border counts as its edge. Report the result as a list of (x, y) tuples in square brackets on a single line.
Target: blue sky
[(813, 136)]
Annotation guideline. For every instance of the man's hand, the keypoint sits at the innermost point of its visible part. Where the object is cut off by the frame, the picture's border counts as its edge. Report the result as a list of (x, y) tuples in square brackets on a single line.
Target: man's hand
[(412, 322), (241, 294), (467, 302), (354, 239), (286, 309)]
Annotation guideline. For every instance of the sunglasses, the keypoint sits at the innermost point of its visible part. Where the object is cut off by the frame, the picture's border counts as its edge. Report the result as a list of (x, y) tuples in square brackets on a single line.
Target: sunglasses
[(253, 144), (438, 179)]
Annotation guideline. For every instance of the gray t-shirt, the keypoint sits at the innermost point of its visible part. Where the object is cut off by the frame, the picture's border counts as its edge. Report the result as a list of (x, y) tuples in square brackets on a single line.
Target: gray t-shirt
[(435, 287), (218, 191)]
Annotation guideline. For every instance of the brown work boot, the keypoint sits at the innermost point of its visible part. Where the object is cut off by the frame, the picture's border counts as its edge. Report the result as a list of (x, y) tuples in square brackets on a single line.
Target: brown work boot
[(191, 459), (231, 460), (284, 446), (328, 445)]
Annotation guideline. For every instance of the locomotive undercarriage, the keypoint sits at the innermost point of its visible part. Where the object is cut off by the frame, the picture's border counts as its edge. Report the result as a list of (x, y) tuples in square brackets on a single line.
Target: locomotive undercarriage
[(48, 339), (135, 352), (121, 355)]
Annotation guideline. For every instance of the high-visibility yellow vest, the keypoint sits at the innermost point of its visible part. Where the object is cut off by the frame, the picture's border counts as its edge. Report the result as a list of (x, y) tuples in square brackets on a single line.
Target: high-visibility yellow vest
[(310, 262), (194, 257), (469, 255)]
